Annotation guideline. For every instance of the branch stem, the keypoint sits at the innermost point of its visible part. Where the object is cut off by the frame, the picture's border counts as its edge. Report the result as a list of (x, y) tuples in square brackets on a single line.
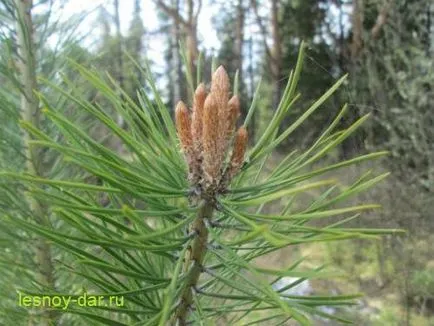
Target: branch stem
[(193, 260), (30, 112)]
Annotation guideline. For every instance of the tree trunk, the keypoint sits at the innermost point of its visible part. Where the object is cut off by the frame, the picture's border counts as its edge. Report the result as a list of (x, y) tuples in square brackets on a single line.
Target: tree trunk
[(341, 46), (427, 39), (353, 144), (276, 52), (119, 59), (138, 39), (189, 28), (252, 86), (30, 112), (176, 70), (191, 39), (239, 39)]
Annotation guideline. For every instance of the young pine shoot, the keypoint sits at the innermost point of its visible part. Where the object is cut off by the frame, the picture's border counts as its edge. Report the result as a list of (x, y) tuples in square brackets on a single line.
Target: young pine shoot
[(190, 211)]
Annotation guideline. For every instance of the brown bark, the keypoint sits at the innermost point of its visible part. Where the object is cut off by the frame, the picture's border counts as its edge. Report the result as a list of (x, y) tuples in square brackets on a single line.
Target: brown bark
[(191, 37), (251, 86), (119, 58), (357, 20), (193, 262), (274, 54), (138, 33), (263, 30), (175, 72), (189, 26), (342, 44), (239, 39), (276, 64), (357, 29), (356, 47), (348, 59), (174, 13), (381, 19)]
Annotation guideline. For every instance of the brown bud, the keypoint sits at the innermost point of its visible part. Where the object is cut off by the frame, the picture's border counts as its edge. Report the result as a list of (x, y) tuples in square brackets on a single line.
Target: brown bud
[(183, 126), (220, 83), (237, 158), (233, 115), (227, 121), (220, 89), (212, 158), (197, 117)]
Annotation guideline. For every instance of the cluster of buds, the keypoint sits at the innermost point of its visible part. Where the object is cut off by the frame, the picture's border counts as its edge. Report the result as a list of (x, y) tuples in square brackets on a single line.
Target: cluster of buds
[(206, 135)]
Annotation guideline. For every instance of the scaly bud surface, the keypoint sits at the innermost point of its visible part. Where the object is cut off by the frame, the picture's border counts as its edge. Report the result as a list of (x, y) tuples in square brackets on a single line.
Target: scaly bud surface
[(238, 152), (197, 117), (233, 115), (183, 125), (211, 157), (206, 138)]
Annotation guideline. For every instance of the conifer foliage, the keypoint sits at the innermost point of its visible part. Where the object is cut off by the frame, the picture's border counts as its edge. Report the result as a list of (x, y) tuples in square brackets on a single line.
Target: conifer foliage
[(205, 140), (190, 209)]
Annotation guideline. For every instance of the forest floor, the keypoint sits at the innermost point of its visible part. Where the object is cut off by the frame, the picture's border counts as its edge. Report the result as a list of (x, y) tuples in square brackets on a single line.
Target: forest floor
[(366, 267)]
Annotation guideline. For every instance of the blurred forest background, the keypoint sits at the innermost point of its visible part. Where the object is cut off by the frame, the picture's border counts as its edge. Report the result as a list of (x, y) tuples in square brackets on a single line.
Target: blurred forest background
[(387, 47)]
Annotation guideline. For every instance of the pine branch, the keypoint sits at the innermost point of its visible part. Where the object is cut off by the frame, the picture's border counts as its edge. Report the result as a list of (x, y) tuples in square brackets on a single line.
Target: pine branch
[(142, 250), (30, 113), (172, 13), (199, 8), (193, 260)]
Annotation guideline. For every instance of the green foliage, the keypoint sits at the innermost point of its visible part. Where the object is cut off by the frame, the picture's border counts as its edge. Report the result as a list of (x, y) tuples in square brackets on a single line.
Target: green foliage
[(120, 221), (19, 264), (395, 78), (423, 282)]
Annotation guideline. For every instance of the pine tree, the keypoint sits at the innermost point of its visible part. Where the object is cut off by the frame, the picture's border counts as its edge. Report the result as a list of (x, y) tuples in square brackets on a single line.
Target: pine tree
[(190, 212)]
